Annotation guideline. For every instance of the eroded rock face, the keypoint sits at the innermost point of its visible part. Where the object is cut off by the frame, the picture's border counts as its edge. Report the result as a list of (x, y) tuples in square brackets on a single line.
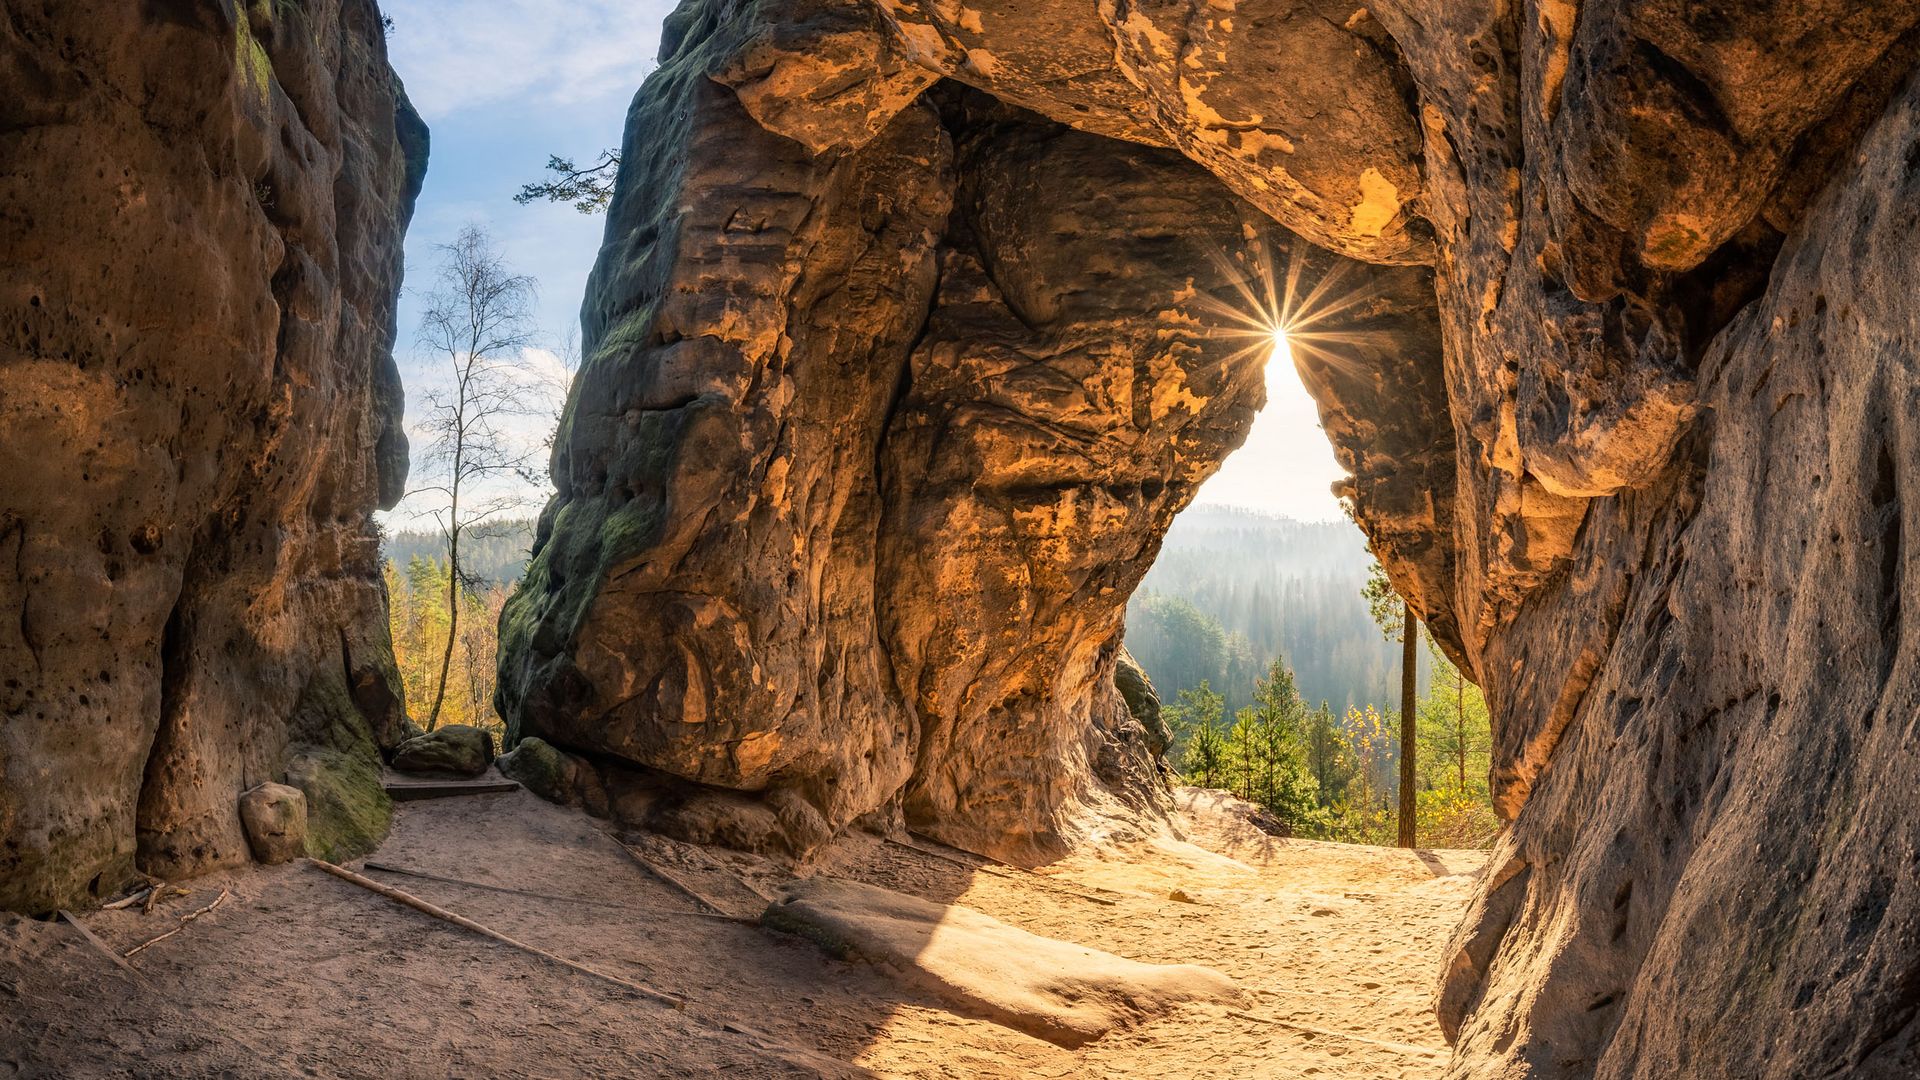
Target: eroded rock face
[(882, 422), (201, 207), (893, 387), (1713, 861)]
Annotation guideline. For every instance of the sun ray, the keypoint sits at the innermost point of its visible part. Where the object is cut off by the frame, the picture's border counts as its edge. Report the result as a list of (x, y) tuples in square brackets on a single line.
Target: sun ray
[(1265, 295)]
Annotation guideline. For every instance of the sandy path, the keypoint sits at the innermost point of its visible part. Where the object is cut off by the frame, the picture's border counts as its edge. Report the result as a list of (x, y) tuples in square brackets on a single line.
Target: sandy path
[(299, 974)]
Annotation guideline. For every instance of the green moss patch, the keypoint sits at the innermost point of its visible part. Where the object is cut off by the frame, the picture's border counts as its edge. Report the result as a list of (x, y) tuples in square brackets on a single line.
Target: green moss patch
[(335, 762), (252, 60)]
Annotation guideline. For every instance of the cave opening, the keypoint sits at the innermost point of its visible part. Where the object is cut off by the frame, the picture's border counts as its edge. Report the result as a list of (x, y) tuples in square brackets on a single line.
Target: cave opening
[(1257, 596)]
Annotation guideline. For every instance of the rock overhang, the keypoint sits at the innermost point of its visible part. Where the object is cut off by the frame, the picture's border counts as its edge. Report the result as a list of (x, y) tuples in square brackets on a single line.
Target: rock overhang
[(1575, 213)]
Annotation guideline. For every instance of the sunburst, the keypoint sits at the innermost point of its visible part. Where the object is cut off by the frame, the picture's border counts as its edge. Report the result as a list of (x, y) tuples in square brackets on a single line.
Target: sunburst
[(1277, 313)]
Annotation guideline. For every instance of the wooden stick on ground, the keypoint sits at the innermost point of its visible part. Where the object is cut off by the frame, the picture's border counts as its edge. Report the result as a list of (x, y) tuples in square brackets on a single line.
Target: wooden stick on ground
[(417, 904), (1322, 995), (159, 892), (608, 904), (127, 901), (1404, 1048), (748, 885), (662, 874), (1017, 871), (1013, 875), (118, 960), (184, 920)]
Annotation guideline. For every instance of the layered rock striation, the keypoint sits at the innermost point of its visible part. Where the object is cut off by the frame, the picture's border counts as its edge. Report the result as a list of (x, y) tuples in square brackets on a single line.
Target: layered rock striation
[(201, 209), (907, 341)]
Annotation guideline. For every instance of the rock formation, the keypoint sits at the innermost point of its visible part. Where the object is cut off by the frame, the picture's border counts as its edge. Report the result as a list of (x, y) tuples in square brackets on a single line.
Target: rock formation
[(874, 440), (201, 207), (906, 343), (451, 750)]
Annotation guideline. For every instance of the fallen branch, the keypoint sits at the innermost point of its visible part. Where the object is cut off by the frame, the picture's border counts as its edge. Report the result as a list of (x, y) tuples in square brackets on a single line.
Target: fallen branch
[(417, 904), (1404, 1048), (1011, 874), (1369, 999), (161, 891), (608, 904), (1018, 871), (720, 916), (748, 885), (184, 920), (662, 874), (128, 900), (117, 959)]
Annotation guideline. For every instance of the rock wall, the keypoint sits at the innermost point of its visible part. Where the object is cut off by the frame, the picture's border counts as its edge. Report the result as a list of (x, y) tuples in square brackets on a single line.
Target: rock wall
[(201, 209), (894, 382)]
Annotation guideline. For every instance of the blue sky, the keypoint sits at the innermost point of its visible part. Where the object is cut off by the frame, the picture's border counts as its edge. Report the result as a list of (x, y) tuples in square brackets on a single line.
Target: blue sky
[(504, 83)]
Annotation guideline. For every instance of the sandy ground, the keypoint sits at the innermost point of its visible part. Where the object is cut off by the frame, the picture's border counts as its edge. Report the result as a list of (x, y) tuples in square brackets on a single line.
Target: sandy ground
[(300, 974)]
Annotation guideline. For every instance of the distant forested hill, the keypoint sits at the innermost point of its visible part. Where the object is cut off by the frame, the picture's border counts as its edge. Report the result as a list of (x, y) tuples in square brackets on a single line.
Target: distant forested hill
[(496, 552), (1232, 589)]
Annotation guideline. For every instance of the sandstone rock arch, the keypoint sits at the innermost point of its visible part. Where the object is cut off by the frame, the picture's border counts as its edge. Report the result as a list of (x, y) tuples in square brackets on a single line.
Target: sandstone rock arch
[(888, 405), (1636, 453), (887, 298)]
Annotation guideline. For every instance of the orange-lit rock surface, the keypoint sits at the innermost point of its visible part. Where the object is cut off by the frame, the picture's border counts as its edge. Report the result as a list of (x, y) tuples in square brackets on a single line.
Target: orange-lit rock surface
[(894, 381)]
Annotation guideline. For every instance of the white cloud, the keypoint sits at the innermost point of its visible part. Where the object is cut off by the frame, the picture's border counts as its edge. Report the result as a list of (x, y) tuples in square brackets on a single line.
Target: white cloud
[(462, 54)]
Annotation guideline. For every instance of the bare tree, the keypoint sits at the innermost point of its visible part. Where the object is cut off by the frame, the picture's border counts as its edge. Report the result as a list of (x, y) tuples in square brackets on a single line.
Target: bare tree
[(556, 383), (477, 323)]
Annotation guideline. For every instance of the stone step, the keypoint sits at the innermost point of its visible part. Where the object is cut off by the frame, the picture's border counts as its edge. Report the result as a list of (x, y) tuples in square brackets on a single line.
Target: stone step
[(407, 788)]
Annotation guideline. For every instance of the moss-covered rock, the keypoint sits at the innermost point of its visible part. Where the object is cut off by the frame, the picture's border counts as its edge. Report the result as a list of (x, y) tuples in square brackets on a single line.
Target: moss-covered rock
[(348, 811), (1142, 701), (554, 775), (335, 763), (454, 750)]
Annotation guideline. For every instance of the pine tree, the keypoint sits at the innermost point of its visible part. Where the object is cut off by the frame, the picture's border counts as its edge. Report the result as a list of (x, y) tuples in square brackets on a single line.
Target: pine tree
[(1286, 786), (1198, 712)]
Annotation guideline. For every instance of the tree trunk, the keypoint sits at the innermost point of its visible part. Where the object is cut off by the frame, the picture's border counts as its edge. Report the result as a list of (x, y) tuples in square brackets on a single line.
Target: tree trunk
[(1409, 664), (453, 619), (1460, 724)]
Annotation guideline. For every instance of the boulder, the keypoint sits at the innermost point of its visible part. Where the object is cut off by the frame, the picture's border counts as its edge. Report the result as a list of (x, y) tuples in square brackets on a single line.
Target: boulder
[(275, 817), (1065, 993), (554, 775), (452, 750)]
